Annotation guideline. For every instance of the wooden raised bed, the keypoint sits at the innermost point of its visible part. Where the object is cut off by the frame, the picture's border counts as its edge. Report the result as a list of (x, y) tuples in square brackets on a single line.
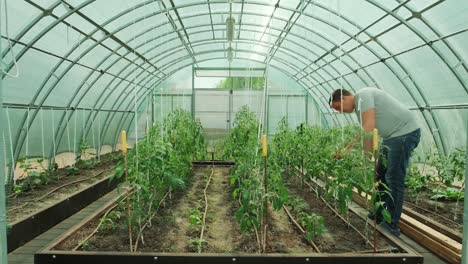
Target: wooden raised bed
[(51, 255), (22, 231)]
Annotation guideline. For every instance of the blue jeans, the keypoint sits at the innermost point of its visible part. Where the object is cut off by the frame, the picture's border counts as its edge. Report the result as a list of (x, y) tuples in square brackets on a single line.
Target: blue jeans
[(392, 166)]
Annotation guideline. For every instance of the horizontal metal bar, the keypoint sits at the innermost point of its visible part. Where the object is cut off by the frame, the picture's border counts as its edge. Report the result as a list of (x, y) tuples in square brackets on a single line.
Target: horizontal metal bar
[(52, 107), (211, 112), (227, 68), (171, 95), (287, 95), (441, 107), (227, 89)]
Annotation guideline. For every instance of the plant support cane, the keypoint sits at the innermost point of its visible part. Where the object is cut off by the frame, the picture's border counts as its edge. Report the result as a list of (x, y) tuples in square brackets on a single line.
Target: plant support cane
[(375, 147), (124, 152), (265, 182)]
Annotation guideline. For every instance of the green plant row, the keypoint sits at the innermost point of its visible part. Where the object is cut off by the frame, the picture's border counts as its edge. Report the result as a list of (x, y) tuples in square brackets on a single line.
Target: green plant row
[(161, 162), (243, 146), (441, 171), (313, 149)]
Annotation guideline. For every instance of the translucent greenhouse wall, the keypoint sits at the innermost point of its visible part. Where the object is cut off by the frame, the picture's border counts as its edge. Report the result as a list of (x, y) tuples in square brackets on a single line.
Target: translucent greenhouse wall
[(216, 108), (286, 98)]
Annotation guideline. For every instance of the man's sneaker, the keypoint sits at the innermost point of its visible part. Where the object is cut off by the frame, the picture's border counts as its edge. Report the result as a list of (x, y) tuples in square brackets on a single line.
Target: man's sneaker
[(371, 216), (391, 228)]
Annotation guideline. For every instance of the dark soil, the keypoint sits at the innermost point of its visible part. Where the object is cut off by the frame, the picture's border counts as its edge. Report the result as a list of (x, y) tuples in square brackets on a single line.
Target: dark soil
[(171, 230), (27, 203), (445, 212), (339, 238)]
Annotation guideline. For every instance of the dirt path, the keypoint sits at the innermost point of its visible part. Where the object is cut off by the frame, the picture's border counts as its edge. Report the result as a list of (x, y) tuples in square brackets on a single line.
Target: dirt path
[(176, 220), (283, 237), (339, 238), (220, 222)]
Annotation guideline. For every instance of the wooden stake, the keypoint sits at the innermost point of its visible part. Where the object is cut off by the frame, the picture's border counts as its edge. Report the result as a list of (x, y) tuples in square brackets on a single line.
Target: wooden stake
[(124, 152), (265, 183), (302, 173), (375, 148)]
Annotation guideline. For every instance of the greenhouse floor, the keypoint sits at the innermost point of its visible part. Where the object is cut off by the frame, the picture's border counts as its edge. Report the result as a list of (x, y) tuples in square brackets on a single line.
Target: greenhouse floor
[(25, 254)]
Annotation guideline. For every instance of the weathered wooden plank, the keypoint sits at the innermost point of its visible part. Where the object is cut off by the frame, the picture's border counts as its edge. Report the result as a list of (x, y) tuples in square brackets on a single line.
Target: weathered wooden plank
[(435, 246), (430, 232), (453, 234), (426, 236)]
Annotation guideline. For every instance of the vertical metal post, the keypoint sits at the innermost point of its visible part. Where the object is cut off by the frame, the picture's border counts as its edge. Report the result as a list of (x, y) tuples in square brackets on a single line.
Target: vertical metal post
[(287, 109), (152, 108), (3, 220), (306, 108), (3, 186), (193, 92), (465, 211), (231, 92), (265, 111), (172, 103), (268, 116), (231, 102)]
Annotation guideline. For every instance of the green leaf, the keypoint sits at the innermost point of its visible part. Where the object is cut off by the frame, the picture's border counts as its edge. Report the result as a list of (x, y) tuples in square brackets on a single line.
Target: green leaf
[(386, 215), (232, 180)]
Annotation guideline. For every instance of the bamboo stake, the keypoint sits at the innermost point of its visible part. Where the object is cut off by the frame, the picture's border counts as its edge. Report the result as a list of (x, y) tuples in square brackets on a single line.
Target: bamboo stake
[(124, 152), (265, 183), (375, 146), (300, 229)]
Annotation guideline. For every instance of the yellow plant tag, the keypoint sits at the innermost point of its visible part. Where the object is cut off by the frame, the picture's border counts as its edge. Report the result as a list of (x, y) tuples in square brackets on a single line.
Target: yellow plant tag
[(376, 139), (124, 142), (264, 146)]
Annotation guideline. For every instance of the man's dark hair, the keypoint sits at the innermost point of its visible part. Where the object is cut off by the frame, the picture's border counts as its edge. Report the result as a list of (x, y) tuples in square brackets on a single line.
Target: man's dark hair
[(337, 94)]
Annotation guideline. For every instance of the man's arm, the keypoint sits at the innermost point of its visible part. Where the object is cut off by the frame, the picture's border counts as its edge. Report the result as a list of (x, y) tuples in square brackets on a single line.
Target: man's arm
[(368, 125)]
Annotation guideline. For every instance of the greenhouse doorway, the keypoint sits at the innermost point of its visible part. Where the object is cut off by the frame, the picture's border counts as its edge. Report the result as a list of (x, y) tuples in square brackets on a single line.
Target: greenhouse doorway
[(219, 93)]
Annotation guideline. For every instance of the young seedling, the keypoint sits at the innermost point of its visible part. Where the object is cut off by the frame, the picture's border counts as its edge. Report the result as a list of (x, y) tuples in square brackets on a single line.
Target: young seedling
[(313, 224)]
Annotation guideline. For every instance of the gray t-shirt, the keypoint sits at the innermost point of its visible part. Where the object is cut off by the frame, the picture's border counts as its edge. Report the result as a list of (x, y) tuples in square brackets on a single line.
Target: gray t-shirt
[(392, 119)]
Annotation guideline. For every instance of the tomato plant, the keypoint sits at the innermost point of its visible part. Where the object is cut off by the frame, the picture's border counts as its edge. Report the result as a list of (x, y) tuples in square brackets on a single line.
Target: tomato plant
[(161, 162), (243, 145)]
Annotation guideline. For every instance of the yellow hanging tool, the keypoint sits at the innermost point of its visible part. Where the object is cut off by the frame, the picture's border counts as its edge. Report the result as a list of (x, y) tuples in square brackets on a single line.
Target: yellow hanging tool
[(264, 146)]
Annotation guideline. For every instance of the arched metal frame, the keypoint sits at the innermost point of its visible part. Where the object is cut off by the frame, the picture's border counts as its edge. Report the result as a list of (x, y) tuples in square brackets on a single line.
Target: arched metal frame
[(309, 80)]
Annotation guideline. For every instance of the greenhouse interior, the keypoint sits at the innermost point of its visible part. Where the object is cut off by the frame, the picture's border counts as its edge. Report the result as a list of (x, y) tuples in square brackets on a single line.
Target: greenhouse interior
[(233, 131)]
